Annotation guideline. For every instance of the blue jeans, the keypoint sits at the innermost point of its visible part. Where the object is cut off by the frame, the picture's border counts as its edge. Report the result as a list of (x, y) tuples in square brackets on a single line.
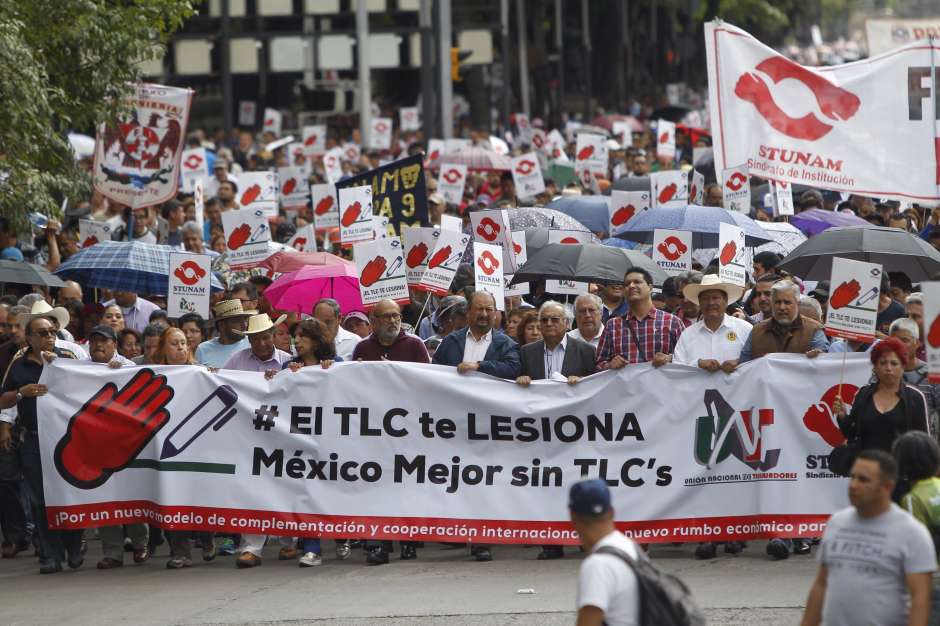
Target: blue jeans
[(311, 545)]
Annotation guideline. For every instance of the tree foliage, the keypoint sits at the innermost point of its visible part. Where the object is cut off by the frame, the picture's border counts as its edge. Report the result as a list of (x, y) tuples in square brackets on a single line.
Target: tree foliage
[(66, 65)]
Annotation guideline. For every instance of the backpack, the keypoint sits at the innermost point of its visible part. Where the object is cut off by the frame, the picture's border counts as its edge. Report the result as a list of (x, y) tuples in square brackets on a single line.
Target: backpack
[(664, 599)]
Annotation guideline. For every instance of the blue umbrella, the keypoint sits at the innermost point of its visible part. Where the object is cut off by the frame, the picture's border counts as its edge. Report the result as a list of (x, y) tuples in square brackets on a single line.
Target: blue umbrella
[(702, 221), (141, 268), (589, 210)]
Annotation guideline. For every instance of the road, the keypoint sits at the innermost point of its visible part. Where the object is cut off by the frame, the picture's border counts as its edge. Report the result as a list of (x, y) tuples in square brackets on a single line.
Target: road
[(443, 586)]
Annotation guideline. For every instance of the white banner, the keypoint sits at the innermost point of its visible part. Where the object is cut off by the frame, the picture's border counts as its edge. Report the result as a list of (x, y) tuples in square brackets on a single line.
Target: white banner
[(672, 250), (931, 291), (293, 187), (732, 254), (325, 209), (387, 450), (853, 299), (381, 265), (666, 139), (884, 34), (488, 271), (419, 243), (247, 235), (736, 189), (451, 182), (355, 222), (624, 206), (846, 109), (258, 190), (188, 289), (91, 232), (314, 139), (670, 189), (527, 175), (443, 263)]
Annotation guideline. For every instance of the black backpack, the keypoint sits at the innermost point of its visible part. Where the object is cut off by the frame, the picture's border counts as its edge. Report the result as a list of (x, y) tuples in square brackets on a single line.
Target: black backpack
[(664, 599)]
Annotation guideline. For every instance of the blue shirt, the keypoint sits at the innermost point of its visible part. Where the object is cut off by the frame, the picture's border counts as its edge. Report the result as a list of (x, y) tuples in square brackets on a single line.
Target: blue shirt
[(214, 354)]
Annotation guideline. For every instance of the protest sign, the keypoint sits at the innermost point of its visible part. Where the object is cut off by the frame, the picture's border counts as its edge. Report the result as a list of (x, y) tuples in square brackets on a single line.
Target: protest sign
[(195, 167), (887, 33), (556, 146), (443, 262), (258, 190), (783, 197), (435, 150), (355, 451), (409, 119), (451, 222), (672, 250), (355, 215), (91, 232), (304, 240), (853, 300), (665, 139), (199, 202), (623, 133), (273, 121), (381, 265), (732, 254), (931, 338), (333, 164), (419, 244), (569, 237), (492, 226), (854, 135), (736, 189), (591, 154), (399, 191), (624, 207), (522, 254), (351, 152), (451, 182), (247, 235), (314, 139), (380, 227), (670, 189), (527, 175), (247, 111), (488, 271), (188, 288), (325, 208), (293, 187), (540, 141), (697, 190), (137, 157), (380, 133)]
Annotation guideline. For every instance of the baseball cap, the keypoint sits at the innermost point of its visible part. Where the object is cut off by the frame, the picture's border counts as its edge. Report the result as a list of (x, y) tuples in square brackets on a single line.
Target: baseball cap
[(821, 290), (105, 331), (589, 497), (11, 254), (355, 315)]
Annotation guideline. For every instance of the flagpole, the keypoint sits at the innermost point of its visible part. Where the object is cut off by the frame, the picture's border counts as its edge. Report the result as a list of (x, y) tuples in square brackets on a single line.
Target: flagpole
[(842, 373)]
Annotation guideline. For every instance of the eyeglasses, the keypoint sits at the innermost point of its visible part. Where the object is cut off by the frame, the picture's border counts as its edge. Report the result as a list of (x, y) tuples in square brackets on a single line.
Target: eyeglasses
[(44, 333), (551, 320), (388, 317)]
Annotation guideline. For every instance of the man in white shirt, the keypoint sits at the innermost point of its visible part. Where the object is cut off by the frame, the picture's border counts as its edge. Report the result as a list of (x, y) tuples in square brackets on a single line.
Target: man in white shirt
[(328, 311), (587, 313), (607, 587)]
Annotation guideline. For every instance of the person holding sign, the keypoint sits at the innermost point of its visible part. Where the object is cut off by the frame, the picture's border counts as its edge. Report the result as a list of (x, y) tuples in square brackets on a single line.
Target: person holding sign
[(786, 330)]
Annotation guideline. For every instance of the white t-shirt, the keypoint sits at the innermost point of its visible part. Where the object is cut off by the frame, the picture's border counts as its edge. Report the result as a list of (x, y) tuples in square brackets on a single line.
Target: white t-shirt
[(609, 584)]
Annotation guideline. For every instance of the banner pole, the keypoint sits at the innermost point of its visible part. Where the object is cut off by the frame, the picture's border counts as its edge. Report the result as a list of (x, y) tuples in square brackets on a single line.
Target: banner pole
[(421, 313), (933, 112), (842, 372)]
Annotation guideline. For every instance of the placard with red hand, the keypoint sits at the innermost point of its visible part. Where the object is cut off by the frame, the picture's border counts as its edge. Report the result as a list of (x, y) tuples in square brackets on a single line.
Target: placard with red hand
[(91, 232), (188, 287), (313, 139), (591, 153), (625, 206), (355, 215), (273, 121), (304, 240), (670, 189), (325, 207), (732, 254), (672, 250), (665, 139), (853, 300), (381, 265), (443, 262), (697, 188), (419, 242), (258, 190), (931, 328), (247, 235), (293, 187)]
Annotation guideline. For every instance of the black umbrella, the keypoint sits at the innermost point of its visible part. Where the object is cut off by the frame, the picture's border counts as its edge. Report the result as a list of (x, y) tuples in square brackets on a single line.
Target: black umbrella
[(895, 249), (586, 263), (630, 183), (20, 273), (705, 165)]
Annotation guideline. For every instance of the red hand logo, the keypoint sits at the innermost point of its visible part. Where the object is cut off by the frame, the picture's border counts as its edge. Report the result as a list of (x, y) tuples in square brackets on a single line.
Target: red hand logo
[(819, 419), (672, 248), (525, 167), (300, 244), (269, 121), (736, 181), (416, 255), (452, 176), (111, 429), (488, 229), (693, 192), (933, 335), (324, 205), (239, 236), (569, 241), (251, 194), (728, 252), (433, 156), (193, 161), (623, 215), (189, 272), (844, 294), (667, 192), (439, 257), (90, 242), (351, 214), (516, 247), (585, 153), (312, 139), (556, 153), (836, 103), (289, 186), (488, 263), (664, 138), (373, 271)]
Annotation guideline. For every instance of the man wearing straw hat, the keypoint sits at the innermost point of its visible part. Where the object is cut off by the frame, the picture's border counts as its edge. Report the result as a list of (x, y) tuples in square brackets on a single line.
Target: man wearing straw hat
[(230, 320)]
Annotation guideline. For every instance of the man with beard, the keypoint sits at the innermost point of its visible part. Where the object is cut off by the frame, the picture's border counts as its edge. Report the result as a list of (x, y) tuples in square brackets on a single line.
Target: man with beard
[(587, 314)]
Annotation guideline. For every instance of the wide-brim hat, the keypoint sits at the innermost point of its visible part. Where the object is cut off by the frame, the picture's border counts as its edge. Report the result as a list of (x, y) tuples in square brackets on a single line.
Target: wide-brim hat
[(260, 323), (711, 282), (230, 308), (41, 308)]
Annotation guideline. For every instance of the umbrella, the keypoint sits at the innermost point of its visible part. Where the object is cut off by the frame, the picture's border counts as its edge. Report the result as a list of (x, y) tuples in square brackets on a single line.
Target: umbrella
[(631, 183), (535, 239), (786, 238), (814, 221), (705, 165), (895, 249), (589, 210), (20, 273), (607, 122), (283, 262), (301, 289), (702, 221), (591, 129), (134, 266), (587, 263), (523, 218), (475, 158), (82, 145)]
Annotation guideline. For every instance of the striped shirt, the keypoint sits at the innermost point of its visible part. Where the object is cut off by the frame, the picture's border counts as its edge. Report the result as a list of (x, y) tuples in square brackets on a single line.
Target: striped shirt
[(638, 341)]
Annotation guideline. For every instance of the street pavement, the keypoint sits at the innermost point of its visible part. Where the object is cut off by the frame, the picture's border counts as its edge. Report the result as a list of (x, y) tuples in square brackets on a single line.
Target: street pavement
[(443, 586)]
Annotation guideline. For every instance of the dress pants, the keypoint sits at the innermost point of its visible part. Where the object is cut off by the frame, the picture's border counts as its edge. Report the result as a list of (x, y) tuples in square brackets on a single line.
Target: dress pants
[(112, 539), (12, 518), (181, 542)]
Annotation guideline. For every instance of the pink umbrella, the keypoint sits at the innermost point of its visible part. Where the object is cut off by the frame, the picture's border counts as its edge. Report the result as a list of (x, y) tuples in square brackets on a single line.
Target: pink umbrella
[(607, 121), (476, 159), (301, 289), (282, 262)]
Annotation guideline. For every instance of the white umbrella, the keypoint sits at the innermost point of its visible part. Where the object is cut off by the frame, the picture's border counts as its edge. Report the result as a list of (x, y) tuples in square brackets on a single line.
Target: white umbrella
[(82, 145)]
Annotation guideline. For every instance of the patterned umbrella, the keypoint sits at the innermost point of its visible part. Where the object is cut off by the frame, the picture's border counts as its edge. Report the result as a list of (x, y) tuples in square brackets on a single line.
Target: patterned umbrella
[(133, 266), (475, 158), (701, 221)]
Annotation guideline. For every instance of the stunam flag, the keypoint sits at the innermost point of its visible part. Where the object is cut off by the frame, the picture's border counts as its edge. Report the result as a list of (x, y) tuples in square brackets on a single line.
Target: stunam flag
[(195, 167), (293, 187), (555, 146), (835, 127), (624, 206), (492, 226), (399, 191), (931, 291), (521, 252), (91, 232), (736, 188), (672, 250), (325, 208), (443, 262), (137, 157), (665, 139), (567, 237), (247, 235), (419, 243), (188, 288), (355, 215), (258, 190), (853, 300), (354, 451), (488, 271), (409, 119), (381, 265), (304, 240), (732, 254), (273, 120), (380, 133), (527, 175), (314, 139), (451, 182), (670, 188)]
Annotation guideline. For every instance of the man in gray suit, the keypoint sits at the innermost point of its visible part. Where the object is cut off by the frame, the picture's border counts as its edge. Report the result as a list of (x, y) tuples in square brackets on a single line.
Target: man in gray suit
[(555, 353)]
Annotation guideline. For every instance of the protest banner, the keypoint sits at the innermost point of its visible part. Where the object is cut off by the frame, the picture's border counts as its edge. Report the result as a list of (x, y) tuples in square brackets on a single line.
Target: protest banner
[(451, 222), (736, 189), (247, 235), (665, 139), (591, 154), (273, 121), (556, 146), (931, 339), (409, 119), (247, 111), (333, 164), (568, 237), (697, 190), (258, 190), (527, 175), (355, 215), (91, 232), (492, 226), (540, 141), (853, 300), (732, 254), (137, 157), (313, 139), (304, 240), (195, 167), (381, 265), (855, 135), (419, 244), (522, 254), (886, 33), (354, 451), (670, 189), (293, 187), (624, 206), (351, 152), (380, 133), (435, 150), (443, 262), (325, 208), (399, 191), (488, 271), (672, 250), (451, 182), (783, 197), (188, 287)]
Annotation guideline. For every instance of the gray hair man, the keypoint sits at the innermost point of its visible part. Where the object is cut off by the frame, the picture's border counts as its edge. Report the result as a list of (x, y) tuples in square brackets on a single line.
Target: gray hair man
[(810, 307), (328, 311), (587, 316), (907, 332), (786, 330)]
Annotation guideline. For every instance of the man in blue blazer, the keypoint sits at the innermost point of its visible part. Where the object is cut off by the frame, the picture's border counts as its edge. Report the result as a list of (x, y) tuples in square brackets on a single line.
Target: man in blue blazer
[(480, 348)]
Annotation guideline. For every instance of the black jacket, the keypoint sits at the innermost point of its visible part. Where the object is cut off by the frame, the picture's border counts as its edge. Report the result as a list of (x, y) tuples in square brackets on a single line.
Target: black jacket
[(913, 405), (579, 359)]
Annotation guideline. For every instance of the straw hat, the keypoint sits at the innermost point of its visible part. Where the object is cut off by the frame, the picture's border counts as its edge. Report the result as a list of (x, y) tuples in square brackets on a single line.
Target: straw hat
[(711, 282), (261, 323), (230, 308), (41, 308)]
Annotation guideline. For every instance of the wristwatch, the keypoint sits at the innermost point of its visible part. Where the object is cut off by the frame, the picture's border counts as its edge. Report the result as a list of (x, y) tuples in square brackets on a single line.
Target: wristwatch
[(19, 395)]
